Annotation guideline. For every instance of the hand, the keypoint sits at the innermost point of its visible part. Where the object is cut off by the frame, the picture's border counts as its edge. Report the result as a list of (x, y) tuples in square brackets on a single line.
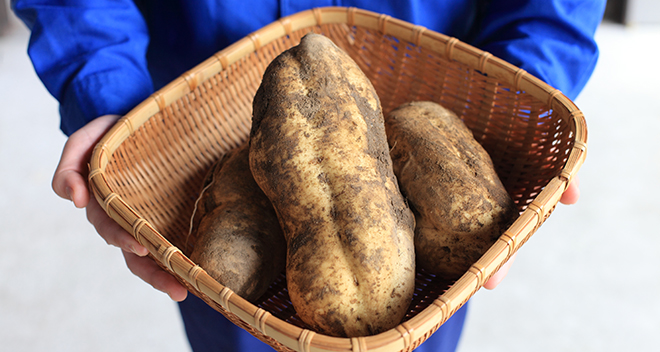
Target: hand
[(572, 192), (70, 182), (570, 196)]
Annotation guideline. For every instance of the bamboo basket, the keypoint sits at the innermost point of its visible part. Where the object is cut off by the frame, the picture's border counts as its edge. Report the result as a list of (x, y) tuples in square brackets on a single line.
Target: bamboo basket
[(147, 170)]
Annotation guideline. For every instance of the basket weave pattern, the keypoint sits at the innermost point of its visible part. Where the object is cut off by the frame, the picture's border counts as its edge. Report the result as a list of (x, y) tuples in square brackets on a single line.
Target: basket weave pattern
[(147, 171)]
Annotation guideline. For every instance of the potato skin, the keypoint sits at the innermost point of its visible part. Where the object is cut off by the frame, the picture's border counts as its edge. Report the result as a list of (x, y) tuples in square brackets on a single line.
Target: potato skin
[(460, 204), (238, 240), (319, 151)]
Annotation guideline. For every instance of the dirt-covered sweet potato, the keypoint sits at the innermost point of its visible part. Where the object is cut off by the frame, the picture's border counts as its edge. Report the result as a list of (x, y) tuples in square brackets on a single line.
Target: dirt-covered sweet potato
[(236, 234), (460, 204), (319, 151)]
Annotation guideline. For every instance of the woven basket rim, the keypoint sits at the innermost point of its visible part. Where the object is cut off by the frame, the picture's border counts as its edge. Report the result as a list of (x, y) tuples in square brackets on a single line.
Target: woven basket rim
[(422, 325)]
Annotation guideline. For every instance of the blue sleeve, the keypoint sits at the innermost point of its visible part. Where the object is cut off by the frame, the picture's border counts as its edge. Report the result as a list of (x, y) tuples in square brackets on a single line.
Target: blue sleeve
[(90, 55), (553, 40)]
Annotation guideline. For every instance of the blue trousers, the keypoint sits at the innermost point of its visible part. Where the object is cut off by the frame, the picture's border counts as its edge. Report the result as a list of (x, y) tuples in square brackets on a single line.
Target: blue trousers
[(208, 330)]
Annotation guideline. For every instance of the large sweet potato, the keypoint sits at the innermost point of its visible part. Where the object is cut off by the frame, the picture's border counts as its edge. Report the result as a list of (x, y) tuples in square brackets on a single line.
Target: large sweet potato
[(460, 205), (319, 151), (237, 237)]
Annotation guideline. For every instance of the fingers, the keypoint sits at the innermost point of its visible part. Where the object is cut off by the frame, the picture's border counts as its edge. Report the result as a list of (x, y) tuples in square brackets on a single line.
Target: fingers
[(146, 269), (70, 182), (111, 232), (497, 278), (572, 192), (134, 253), (70, 178)]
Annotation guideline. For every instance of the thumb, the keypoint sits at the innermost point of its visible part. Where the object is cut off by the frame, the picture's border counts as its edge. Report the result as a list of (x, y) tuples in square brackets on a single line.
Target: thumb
[(69, 183), (70, 178)]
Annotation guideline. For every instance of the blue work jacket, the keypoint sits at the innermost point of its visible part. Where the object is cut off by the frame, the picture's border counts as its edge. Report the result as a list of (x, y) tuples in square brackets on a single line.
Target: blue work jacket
[(100, 57)]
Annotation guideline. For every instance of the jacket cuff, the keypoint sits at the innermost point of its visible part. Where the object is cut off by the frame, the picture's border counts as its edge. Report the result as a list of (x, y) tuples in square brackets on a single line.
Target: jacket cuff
[(99, 94)]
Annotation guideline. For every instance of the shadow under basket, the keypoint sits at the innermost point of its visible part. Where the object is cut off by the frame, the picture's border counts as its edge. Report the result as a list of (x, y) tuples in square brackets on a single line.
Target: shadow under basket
[(147, 170)]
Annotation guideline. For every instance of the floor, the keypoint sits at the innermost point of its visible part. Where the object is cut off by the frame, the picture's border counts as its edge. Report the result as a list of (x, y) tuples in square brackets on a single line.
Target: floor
[(588, 280)]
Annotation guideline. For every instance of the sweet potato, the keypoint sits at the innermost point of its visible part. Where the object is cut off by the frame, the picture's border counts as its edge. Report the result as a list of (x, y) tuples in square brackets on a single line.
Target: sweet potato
[(459, 202), (237, 237), (318, 150)]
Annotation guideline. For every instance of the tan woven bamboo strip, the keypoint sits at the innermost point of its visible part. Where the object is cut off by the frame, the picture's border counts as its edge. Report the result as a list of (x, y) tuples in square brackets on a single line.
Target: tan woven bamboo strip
[(147, 170)]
